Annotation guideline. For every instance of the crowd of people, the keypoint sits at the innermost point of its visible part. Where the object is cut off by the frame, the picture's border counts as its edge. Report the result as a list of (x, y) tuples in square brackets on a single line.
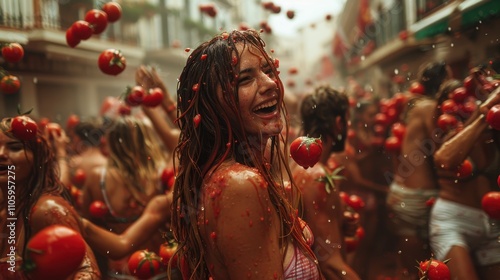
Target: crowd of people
[(239, 207)]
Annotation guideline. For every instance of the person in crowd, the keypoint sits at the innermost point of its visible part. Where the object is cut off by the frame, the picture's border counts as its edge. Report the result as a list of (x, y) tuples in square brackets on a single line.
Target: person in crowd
[(459, 229), (125, 185), (414, 179), (324, 115), (233, 215), (38, 191), (85, 143)]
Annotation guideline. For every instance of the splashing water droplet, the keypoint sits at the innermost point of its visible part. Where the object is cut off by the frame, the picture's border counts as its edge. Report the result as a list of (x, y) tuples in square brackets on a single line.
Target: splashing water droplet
[(403, 205), (399, 252), (328, 241), (344, 272)]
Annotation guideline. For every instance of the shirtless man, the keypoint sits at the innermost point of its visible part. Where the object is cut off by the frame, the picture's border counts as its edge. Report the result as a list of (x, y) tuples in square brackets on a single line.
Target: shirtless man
[(414, 179)]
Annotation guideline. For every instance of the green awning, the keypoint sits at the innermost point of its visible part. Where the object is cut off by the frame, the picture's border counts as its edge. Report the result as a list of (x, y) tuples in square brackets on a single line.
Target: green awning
[(469, 18)]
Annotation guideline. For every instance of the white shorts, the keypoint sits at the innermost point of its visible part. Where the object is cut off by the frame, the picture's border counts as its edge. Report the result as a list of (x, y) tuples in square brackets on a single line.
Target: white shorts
[(410, 210), (454, 224)]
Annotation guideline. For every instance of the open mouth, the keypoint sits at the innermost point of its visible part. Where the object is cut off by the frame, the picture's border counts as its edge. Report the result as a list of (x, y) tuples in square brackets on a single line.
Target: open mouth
[(267, 107), (3, 167)]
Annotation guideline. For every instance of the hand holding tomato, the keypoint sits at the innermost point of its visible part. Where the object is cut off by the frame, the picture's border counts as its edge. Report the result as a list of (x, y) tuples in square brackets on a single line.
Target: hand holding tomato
[(306, 151), (55, 253)]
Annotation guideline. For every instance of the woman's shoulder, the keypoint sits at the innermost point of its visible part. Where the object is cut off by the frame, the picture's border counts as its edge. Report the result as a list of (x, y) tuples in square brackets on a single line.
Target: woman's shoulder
[(53, 209), (233, 173), (234, 181)]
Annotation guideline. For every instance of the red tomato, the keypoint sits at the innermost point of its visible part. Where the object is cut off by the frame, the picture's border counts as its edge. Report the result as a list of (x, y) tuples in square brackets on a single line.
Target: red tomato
[(98, 20), (417, 88), (465, 169), (392, 144), (166, 176), (382, 119), (449, 106), (135, 96), (459, 94), (124, 110), (43, 122), (306, 151), (493, 117), (398, 130), (72, 121), (79, 177), (55, 252), (351, 243), (344, 197), (434, 270), (113, 10), (81, 30), (10, 84), (470, 85), (23, 128), (153, 98), (71, 39), (356, 202), (75, 194), (491, 204), (13, 52), (98, 209), (197, 120), (498, 180), (403, 35), (447, 122), (112, 62), (144, 264), (167, 251)]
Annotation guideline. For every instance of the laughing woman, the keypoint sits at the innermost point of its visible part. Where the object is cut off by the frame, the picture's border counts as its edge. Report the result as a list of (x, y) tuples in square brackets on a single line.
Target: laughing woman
[(233, 216)]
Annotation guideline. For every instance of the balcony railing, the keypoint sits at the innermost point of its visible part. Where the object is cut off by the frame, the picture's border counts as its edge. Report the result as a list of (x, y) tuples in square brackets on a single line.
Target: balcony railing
[(427, 7)]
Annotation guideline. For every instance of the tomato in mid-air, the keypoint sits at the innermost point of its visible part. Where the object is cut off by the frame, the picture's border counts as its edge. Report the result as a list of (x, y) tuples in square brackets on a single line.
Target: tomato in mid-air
[(392, 144), (144, 264), (23, 128), (112, 62), (113, 10), (55, 252), (10, 84), (465, 169), (12, 52), (72, 121), (71, 39), (98, 209), (433, 270), (306, 151), (416, 88), (491, 204), (81, 30), (98, 20), (79, 177)]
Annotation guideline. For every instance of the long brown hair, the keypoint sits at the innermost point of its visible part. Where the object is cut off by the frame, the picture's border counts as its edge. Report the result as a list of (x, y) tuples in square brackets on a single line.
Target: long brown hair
[(220, 136)]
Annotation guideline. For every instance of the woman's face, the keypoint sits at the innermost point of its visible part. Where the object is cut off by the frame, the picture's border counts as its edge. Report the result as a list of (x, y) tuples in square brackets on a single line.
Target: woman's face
[(259, 96), (16, 162)]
